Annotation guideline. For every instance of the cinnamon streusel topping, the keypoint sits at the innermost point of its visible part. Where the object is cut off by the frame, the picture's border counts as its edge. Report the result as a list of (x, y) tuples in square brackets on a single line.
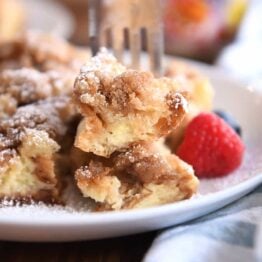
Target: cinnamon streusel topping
[(48, 115)]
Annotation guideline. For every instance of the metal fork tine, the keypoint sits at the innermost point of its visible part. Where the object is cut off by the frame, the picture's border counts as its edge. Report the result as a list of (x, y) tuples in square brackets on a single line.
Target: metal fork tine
[(133, 16), (93, 24), (155, 48), (135, 47)]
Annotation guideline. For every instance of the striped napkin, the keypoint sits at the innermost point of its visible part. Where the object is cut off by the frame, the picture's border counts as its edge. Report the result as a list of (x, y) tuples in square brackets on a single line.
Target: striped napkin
[(229, 235)]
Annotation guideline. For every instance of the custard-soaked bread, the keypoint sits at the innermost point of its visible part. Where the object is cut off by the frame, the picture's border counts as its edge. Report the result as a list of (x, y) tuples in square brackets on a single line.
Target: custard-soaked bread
[(200, 95), (144, 175), (29, 145), (122, 106), (27, 85)]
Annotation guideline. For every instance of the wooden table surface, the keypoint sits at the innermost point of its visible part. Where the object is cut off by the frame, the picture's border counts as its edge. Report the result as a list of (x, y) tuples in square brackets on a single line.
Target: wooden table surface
[(126, 249)]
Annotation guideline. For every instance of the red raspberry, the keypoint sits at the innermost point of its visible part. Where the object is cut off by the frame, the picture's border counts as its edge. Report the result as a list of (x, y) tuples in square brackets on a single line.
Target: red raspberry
[(211, 146)]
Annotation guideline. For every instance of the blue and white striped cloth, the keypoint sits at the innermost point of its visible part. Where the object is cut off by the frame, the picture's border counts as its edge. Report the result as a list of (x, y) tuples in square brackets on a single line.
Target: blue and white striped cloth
[(228, 235)]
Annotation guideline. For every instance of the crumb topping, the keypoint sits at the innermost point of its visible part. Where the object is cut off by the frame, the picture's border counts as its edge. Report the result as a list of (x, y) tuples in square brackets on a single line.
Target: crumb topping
[(25, 85), (43, 116), (104, 84), (103, 62)]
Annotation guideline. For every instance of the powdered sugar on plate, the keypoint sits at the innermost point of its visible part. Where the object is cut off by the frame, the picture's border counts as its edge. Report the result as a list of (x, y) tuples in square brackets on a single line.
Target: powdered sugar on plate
[(251, 166)]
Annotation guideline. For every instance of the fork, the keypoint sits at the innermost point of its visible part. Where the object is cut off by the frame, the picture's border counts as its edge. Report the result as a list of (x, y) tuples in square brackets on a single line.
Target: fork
[(117, 23)]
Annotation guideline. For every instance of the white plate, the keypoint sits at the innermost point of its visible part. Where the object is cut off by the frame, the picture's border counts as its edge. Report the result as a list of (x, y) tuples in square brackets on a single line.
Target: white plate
[(41, 223)]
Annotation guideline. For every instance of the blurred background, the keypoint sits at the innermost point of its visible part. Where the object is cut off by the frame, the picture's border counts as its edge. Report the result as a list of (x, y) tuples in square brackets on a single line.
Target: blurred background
[(197, 29)]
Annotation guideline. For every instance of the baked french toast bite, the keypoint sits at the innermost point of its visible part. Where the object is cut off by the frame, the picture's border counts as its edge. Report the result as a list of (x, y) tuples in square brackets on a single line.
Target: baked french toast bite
[(122, 106), (29, 150), (200, 95), (143, 175)]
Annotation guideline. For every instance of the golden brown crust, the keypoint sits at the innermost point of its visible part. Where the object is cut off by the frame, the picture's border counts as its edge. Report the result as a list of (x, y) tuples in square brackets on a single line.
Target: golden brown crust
[(122, 106), (145, 174)]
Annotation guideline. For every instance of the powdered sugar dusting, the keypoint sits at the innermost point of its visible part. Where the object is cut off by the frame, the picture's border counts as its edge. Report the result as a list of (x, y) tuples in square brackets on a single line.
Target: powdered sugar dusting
[(177, 101), (75, 205), (103, 62), (251, 166), (26, 85), (181, 102)]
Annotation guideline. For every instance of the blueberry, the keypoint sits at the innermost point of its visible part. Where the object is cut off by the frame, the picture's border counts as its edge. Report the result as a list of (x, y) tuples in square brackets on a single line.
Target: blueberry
[(229, 119)]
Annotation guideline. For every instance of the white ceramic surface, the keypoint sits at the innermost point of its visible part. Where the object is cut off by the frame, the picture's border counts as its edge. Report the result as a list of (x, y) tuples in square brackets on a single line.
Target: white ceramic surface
[(41, 223), (48, 16)]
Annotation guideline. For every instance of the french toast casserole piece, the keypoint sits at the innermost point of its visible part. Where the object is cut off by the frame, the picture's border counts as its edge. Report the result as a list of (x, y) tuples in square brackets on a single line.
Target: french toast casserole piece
[(37, 118), (39, 61), (121, 106), (120, 161), (31, 151), (35, 66), (143, 175)]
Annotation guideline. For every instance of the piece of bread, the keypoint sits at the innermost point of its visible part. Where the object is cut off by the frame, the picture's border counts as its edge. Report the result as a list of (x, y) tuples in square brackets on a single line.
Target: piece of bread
[(144, 175), (31, 146), (122, 106)]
